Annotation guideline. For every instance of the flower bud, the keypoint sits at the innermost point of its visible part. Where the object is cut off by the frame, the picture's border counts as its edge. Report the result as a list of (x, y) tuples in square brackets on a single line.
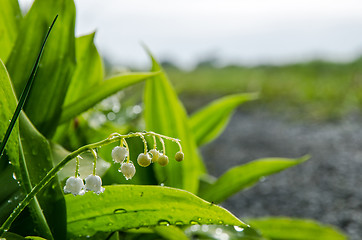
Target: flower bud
[(163, 160), (74, 185), (155, 154), (94, 183), (144, 160), (128, 170), (119, 154), (179, 156)]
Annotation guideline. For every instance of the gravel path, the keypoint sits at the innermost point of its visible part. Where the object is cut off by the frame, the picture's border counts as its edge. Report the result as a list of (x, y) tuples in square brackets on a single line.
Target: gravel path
[(327, 188)]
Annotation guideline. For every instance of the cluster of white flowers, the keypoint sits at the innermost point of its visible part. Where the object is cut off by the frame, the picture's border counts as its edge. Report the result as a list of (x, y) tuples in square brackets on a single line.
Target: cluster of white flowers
[(120, 154), (75, 185)]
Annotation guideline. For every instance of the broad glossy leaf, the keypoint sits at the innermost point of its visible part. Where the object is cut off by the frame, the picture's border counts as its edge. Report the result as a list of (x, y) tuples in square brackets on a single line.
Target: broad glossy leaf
[(8, 104), (275, 228), (89, 69), (241, 177), (10, 17), (123, 207), (209, 122), (100, 91), (38, 161), (56, 66), (165, 114)]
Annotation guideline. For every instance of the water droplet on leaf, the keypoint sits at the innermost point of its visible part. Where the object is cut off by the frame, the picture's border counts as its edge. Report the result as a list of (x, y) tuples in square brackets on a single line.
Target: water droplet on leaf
[(163, 223), (193, 222), (179, 223), (239, 229), (119, 211)]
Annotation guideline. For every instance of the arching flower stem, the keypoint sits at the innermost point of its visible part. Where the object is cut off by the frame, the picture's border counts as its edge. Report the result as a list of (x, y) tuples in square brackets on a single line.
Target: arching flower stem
[(163, 145), (95, 160), (77, 166)]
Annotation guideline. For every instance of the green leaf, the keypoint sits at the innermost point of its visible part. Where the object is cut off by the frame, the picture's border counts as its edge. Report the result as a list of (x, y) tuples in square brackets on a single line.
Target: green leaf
[(89, 69), (123, 207), (275, 228), (100, 91), (8, 104), (209, 122), (10, 17), (37, 162), (241, 177), (56, 67), (165, 114)]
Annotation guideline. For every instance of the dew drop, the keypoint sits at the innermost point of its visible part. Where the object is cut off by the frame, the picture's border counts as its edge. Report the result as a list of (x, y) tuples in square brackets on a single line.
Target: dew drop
[(109, 224), (220, 222), (239, 229), (14, 176), (179, 223), (162, 184), (199, 219), (119, 211), (163, 223), (193, 222)]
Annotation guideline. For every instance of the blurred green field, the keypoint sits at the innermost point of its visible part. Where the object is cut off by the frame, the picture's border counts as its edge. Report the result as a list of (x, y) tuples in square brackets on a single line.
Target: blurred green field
[(315, 90)]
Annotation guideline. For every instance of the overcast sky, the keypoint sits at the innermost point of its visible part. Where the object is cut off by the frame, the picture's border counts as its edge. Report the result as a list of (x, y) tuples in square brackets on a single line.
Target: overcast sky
[(233, 31)]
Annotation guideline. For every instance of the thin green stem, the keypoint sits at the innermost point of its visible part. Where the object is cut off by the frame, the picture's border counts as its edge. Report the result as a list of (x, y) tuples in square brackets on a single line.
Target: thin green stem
[(124, 142), (77, 167), (95, 161), (179, 145), (154, 142), (163, 145), (145, 150)]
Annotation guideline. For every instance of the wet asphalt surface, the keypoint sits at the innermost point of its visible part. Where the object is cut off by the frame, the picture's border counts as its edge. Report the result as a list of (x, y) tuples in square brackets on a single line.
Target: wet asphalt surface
[(327, 188)]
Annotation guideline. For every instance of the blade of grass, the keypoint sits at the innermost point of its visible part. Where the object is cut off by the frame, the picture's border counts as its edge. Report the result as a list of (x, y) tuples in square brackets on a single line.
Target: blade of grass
[(25, 92)]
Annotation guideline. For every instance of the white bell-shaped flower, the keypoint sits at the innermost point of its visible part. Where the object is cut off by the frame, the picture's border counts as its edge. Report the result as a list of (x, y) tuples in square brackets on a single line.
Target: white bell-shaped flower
[(119, 154), (163, 160), (75, 186), (179, 156), (143, 160), (128, 170), (94, 183), (155, 154)]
